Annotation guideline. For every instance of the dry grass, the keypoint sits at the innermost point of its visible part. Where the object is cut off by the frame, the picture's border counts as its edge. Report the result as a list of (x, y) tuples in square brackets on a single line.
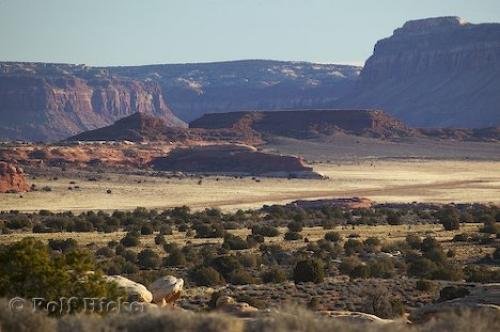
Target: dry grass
[(382, 181)]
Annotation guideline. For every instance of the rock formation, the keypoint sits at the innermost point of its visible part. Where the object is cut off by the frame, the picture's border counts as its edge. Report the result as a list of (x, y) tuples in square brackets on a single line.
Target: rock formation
[(232, 159), (306, 123), (436, 72), (51, 102), (135, 291), (166, 290), (195, 89), (12, 178)]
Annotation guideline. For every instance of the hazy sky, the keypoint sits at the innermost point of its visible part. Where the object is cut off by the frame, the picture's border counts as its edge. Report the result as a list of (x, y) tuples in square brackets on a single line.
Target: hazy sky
[(124, 32)]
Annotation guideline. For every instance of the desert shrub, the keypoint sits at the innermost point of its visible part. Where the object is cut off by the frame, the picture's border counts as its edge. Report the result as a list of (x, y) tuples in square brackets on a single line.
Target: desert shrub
[(265, 230), (333, 237), (309, 270), (130, 240), (148, 259), (382, 268), (274, 275), (242, 277), (160, 239), (250, 260), (166, 230), (225, 265), (18, 221), (463, 237), (105, 252), (449, 217), (380, 303), (414, 241), (233, 242), (424, 285), (491, 227), (147, 229), (348, 264), (256, 237), (28, 270), (496, 253), (209, 230), (447, 271), (129, 255), (63, 245), (421, 267), (393, 218), (295, 226), (352, 246), (175, 258), (205, 276), (430, 243), (452, 292), (361, 271), (292, 236), (482, 274)]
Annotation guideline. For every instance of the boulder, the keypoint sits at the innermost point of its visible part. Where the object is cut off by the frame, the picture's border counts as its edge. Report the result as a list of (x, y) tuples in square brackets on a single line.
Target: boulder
[(353, 317), (166, 289), (229, 305), (134, 290), (12, 178)]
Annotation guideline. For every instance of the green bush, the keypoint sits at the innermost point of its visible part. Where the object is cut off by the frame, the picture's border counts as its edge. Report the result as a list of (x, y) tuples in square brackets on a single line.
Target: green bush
[(225, 265), (147, 229), (175, 258), (205, 276), (309, 270), (63, 245), (292, 236), (333, 237), (414, 241), (295, 226), (242, 277), (130, 240), (28, 270), (233, 242), (424, 285), (148, 259), (274, 275), (265, 230)]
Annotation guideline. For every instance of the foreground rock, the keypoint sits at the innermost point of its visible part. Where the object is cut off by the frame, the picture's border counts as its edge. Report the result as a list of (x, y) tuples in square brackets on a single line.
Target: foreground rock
[(482, 299), (12, 178), (134, 290), (166, 290), (354, 317), (233, 159), (229, 305)]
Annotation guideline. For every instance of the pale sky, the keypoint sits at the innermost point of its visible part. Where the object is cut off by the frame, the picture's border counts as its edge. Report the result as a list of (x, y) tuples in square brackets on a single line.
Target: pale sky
[(127, 32)]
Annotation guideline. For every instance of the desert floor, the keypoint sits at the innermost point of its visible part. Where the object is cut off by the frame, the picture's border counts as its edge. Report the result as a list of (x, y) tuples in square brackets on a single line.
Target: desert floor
[(380, 180)]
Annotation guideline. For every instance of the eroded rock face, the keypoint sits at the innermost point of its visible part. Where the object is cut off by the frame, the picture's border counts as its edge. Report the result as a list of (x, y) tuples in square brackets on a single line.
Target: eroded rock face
[(306, 123), (52, 102), (12, 178), (438, 72)]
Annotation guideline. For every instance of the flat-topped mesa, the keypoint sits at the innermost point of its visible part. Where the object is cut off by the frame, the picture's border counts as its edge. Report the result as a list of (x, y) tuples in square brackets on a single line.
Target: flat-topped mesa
[(306, 123), (233, 159), (431, 24)]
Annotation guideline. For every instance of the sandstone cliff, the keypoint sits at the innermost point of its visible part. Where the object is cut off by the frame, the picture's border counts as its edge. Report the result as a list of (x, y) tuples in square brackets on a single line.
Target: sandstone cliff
[(51, 102), (12, 178), (438, 72)]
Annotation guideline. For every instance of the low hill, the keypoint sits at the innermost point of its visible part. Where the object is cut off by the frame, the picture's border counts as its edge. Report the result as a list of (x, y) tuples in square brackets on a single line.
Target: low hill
[(141, 127), (233, 159)]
